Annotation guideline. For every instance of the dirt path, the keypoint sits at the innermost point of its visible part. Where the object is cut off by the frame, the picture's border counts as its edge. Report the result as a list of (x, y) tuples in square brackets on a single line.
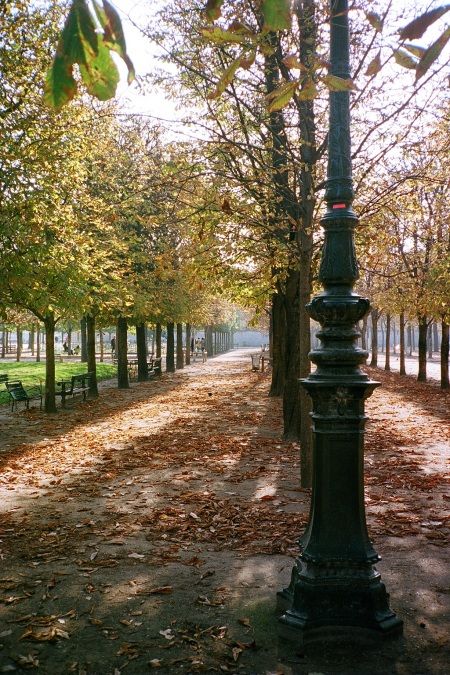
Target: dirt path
[(150, 530)]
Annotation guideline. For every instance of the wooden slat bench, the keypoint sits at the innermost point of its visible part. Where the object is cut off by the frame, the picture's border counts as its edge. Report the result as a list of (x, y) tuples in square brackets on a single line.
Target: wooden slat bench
[(78, 384), (18, 393)]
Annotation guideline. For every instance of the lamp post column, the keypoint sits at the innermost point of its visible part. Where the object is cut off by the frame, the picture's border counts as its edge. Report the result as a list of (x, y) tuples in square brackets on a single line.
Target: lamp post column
[(335, 587)]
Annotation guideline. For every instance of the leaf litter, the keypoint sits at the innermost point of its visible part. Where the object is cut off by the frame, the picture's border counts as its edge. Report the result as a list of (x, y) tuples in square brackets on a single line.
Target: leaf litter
[(173, 482)]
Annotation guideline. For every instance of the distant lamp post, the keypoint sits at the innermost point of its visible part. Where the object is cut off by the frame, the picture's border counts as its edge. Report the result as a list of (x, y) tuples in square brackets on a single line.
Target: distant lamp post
[(335, 588)]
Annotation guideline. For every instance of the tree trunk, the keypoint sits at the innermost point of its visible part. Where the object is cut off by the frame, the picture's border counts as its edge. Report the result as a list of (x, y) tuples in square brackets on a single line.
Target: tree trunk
[(188, 344), (158, 340), (122, 353), (91, 360), (364, 333), (402, 344), (19, 344), (387, 363), (83, 340), (38, 343), (278, 322), (423, 330), (435, 337), (102, 345), (170, 354), (374, 316), (69, 339), (305, 369), (49, 394), (291, 406), (444, 355), (180, 360), (4, 339), (141, 346), (409, 339), (394, 338), (31, 336), (430, 341)]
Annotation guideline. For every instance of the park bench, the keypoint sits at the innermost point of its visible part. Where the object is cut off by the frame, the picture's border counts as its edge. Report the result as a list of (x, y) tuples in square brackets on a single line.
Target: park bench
[(255, 361), (18, 393), (156, 365), (198, 354), (78, 384), (4, 377), (132, 365)]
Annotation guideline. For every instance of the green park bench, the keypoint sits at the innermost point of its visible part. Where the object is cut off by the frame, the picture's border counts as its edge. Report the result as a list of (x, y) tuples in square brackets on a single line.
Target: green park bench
[(18, 393), (78, 384)]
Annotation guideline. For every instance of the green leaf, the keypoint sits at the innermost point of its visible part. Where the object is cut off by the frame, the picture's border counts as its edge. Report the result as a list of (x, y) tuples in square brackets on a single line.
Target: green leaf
[(60, 85), (281, 96), (416, 50), (226, 79), (220, 36), (404, 59), (100, 75), (375, 21), (308, 92), (113, 35), (432, 53), (374, 66), (336, 83), (277, 14), (212, 10), (415, 29)]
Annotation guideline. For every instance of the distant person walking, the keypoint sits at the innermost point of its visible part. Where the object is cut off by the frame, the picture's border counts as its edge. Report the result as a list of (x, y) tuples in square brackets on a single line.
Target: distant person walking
[(113, 347)]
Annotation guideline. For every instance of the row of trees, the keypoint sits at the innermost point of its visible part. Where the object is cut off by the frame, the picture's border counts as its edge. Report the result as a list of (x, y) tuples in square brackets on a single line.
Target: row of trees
[(262, 97), (96, 210)]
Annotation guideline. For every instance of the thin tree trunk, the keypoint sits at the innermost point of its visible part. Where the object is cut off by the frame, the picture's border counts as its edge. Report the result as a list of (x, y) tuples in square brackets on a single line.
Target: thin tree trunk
[(364, 333), (69, 339), (188, 344), (374, 316), (435, 337), (444, 355), (291, 407), (83, 340), (102, 345), (180, 360), (141, 346), (409, 339), (158, 340), (423, 330), (278, 321), (49, 395), (394, 338), (91, 360), (38, 343), (31, 336), (430, 341), (387, 363), (402, 344), (122, 353), (19, 344), (4, 339), (170, 355), (305, 369)]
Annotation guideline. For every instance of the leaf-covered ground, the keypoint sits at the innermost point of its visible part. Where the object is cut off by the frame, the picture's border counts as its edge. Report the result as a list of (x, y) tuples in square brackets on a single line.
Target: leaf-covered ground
[(150, 530)]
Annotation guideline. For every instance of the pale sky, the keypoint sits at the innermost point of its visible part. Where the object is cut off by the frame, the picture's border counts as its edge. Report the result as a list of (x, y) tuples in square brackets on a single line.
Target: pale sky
[(143, 53)]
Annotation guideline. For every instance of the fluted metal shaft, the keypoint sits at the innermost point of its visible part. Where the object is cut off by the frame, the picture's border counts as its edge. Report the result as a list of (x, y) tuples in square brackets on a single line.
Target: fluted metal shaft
[(335, 587)]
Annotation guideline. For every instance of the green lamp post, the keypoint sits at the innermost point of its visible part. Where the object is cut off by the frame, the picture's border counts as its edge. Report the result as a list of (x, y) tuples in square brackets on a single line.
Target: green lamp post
[(335, 587)]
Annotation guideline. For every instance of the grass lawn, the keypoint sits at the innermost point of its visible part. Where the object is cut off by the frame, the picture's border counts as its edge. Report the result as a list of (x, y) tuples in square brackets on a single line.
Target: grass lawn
[(33, 373)]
